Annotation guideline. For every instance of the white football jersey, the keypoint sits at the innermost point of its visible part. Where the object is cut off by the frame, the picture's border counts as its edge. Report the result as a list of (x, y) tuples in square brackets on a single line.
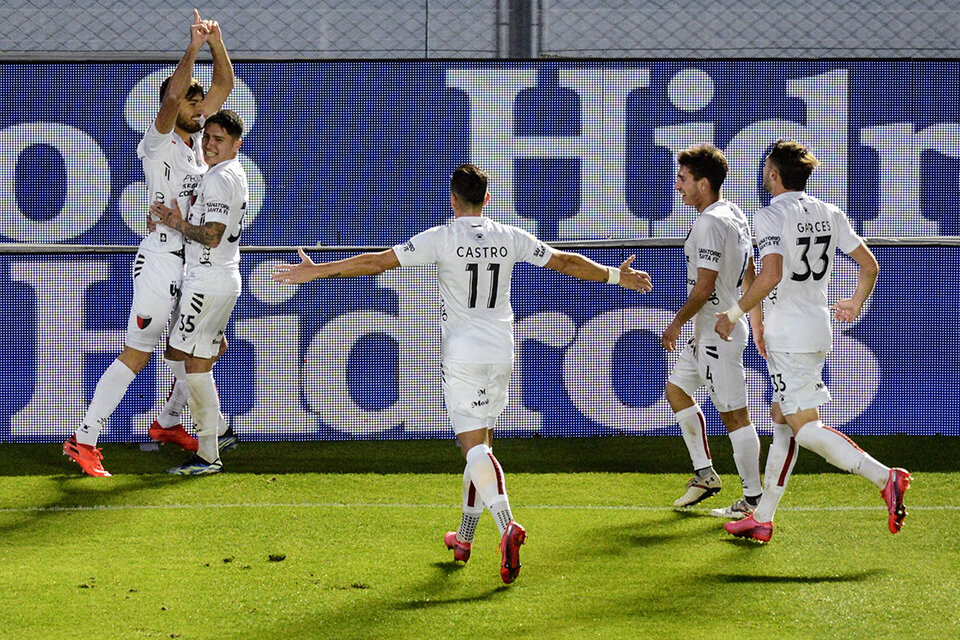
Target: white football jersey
[(719, 240), (221, 196), (474, 257), (172, 170), (807, 232)]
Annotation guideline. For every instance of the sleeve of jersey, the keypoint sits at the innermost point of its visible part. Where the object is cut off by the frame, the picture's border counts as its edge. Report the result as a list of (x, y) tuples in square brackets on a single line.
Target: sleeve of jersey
[(154, 143), (420, 249), (847, 238), (530, 249), (707, 234), (767, 229), (218, 194)]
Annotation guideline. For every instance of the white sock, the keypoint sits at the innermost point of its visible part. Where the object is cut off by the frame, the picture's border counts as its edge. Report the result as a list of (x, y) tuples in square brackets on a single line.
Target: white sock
[(205, 407), (472, 510), (694, 430), (487, 477), (840, 451), (110, 390), (222, 426), (781, 458), (746, 455), (172, 412)]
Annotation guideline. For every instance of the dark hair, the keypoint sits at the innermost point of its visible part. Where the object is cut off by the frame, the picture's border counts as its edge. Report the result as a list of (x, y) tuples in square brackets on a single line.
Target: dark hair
[(794, 162), (229, 120), (705, 161), (195, 88), (469, 183)]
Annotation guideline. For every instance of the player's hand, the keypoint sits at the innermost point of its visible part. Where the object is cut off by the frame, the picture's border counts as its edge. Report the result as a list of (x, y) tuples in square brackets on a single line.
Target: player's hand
[(165, 215), (724, 326), (296, 273), (216, 36), (632, 279), (151, 224), (846, 310), (199, 30), (670, 336)]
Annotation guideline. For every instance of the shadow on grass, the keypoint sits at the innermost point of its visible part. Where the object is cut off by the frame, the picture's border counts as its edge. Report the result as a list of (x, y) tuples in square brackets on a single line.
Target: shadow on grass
[(736, 578), (428, 603), (611, 454)]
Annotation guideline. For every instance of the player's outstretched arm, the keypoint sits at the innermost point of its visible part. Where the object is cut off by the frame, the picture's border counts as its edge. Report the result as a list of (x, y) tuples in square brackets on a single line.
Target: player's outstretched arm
[(222, 82), (180, 80), (365, 264), (583, 268)]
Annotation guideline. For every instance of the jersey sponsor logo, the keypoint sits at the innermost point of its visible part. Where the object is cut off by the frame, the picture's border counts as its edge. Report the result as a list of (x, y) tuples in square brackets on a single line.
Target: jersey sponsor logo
[(481, 252), (143, 321), (221, 208), (768, 241), (408, 246), (709, 254)]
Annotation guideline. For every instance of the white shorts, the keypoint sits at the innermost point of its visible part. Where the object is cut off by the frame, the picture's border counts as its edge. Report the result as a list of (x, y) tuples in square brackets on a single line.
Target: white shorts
[(201, 322), (797, 380), (157, 279), (719, 368), (475, 394)]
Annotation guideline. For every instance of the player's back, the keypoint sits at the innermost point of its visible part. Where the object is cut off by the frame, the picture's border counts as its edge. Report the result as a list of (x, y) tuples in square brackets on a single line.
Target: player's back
[(797, 315), (475, 258)]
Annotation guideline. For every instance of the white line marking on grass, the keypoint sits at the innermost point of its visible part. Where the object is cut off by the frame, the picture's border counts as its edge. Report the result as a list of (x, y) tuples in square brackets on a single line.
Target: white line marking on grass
[(378, 505)]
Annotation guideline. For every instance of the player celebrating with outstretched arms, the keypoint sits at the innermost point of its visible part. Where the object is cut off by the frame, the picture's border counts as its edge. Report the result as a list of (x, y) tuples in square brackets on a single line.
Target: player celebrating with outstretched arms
[(798, 236), (474, 257)]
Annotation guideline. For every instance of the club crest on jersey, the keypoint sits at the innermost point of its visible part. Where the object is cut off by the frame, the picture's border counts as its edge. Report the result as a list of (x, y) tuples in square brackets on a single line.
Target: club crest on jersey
[(144, 321)]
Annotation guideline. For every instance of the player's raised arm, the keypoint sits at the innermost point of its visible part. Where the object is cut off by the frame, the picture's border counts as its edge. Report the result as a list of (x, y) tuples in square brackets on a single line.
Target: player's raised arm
[(365, 264), (583, 268), (222, 82), (180, 80)]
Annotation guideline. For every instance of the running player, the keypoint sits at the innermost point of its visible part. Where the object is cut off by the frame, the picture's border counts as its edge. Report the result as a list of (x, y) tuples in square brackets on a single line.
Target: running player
[(475, 258), (719, 255), (798, 237), (211, 280), (172, 165)]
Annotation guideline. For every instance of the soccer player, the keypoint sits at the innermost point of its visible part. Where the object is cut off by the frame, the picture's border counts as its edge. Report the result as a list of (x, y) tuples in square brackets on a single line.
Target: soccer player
[(211, 280), (474, 257), (798, 236), (172, 165), (719, 255)]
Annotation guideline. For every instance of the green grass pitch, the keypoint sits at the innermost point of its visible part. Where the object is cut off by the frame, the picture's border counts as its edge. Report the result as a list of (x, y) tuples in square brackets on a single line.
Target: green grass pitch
[(344, 540)]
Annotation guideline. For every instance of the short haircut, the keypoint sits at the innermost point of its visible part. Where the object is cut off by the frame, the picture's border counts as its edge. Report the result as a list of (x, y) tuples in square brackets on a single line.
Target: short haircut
[(705, 161), (469, 183), (229, 120), (195, 88), (794, 162)]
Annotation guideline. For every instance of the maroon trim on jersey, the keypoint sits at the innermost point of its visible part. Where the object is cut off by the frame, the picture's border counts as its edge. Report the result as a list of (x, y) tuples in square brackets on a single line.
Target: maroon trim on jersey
[(791, 450), (499, 471), (844, 436)]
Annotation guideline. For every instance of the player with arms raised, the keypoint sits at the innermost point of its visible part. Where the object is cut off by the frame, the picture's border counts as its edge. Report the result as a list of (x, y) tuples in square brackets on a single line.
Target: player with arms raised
[(474, 257), (172, 165)]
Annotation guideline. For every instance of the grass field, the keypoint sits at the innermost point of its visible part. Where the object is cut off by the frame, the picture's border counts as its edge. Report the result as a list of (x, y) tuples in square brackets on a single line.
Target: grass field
[(355, 533)]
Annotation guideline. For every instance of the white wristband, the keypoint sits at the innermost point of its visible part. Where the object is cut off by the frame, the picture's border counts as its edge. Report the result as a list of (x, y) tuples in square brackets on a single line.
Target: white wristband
[(613, 275), (734, 312)]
